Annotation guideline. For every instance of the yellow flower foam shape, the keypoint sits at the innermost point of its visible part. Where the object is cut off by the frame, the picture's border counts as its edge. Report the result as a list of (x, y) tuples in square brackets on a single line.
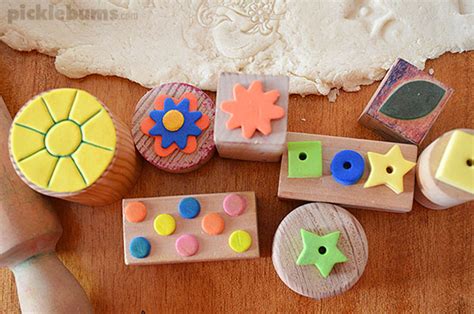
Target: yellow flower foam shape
[(63, 140)]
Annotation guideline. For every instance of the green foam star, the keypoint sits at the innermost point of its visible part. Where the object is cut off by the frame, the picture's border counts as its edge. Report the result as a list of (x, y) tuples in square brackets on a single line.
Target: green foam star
[(321, 251)]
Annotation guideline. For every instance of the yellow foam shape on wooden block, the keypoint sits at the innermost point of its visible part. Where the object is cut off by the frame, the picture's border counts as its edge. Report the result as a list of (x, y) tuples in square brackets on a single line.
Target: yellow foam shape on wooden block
[(456, 166), (31, 141), (60, 102), (38, 168), (92, 161), (91, 146), (97, 130), (240, 241), (35, 115), (85, 107), (62, 183)]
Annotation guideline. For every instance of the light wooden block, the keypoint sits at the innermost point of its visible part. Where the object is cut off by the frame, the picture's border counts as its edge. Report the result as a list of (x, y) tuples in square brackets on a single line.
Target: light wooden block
[(431, 192), (231, 143), (211, 248), (321, 219), (406, 104), (326, 189)]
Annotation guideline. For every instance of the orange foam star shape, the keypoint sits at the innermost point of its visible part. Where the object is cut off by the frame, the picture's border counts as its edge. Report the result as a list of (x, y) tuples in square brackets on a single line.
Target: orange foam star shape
[(191, 145), (252, 109)]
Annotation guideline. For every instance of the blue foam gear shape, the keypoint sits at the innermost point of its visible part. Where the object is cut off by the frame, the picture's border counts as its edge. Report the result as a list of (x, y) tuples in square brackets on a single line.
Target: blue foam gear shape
[(180, 136), (140, 247), (189, 208), (347, 167)]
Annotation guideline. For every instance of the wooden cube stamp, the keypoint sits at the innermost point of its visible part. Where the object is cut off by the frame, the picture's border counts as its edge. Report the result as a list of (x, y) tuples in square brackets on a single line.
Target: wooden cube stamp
[(355, 173), (406, 104), (251, 116), (192, 228)]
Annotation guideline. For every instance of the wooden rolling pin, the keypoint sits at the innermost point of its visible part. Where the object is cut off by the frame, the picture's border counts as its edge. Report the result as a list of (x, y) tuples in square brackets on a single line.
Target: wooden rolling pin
[(29, 231)]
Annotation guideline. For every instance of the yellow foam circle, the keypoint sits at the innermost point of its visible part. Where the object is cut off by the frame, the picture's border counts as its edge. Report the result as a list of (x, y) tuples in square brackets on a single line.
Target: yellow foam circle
[(164, 224), (173, 120), (456, 167), (240, 241), (63, 140)]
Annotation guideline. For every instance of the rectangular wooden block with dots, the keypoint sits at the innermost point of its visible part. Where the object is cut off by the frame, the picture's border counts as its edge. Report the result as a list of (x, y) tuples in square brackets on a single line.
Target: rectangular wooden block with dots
[(406, 104), (323, 187), (236, 143), (190, 228)]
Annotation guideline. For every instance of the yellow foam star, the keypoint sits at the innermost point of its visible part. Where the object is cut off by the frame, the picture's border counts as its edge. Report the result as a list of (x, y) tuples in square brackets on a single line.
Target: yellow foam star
[(388, 169)]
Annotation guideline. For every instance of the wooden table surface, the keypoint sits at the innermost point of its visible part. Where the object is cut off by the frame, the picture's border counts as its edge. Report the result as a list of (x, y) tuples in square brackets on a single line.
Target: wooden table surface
[(418, 262)]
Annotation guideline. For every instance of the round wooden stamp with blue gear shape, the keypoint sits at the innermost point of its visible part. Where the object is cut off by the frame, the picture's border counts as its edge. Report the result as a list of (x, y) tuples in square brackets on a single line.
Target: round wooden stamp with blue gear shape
[(173, 127), (319, 250)]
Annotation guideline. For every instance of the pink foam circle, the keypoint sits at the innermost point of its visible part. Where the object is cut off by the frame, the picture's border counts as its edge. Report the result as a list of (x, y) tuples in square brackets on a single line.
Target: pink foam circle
[(234, 205), (187, 245)]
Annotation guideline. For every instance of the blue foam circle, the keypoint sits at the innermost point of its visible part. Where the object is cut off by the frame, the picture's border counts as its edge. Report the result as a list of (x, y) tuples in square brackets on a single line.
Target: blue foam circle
[(140, 247), (347, 167), (189, 208)]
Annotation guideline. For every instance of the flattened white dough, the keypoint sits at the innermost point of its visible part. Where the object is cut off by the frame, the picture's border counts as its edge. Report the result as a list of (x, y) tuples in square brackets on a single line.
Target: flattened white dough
[(320, 44)]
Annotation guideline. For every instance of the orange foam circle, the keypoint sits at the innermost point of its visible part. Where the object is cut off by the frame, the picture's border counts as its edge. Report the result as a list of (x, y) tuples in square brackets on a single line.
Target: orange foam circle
[(135, 212), (213, 224)]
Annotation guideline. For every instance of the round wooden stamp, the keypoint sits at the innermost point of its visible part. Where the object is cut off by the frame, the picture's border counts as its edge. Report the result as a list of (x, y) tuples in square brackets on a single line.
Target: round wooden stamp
[(319, 250), (445, 171), (65, 143), (173, 127)]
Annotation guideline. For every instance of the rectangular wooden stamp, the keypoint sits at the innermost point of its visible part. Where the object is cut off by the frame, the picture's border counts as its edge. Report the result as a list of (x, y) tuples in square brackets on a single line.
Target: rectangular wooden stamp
[(251, 116), (406, 104), (190, 228), (336, 180)]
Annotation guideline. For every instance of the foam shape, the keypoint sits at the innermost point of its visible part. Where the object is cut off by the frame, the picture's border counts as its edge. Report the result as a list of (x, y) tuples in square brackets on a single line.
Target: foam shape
[(213, 224), (187, 245), (163, 139), (140, 247), (234, 205), (164, 224), (240, 241), (321, 251), (456, 167), (305, 159), (179, 135), (189, 207), (135, 212), (347, 167), (388, 169), (252, 109), (87, 148)]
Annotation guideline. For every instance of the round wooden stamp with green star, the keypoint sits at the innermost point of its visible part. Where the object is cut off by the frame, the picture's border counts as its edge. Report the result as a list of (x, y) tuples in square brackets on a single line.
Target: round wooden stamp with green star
[(320, 250)]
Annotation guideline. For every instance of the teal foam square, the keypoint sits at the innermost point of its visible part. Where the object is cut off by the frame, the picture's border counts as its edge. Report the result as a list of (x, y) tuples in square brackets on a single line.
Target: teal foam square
[(305, 159)]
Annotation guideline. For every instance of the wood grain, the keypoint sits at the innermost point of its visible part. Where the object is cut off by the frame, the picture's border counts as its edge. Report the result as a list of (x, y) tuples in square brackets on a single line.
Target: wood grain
[(419, 262), (326, 189), (321, 219), (211, 248), (431, 192)]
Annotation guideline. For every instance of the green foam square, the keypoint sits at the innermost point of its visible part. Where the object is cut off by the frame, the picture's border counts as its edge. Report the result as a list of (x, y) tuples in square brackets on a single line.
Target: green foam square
[(305, 159)]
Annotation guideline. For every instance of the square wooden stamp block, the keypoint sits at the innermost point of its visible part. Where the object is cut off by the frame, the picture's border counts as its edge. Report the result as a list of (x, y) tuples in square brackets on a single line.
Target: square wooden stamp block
[(326, 189), (406, 104), (190, 228), (230, 142)]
